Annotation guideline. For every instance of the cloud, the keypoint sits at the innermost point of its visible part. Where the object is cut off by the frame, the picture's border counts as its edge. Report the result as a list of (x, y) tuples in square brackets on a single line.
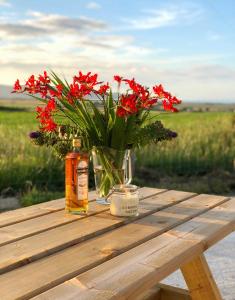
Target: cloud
[(107, 41), (213, 72), (4, 3), (17, 30), (166, 16), (200, 73), (156, 19), (51, 41), (58, 42), (59, 22), (93, 5), (41, 24), (207, 82)]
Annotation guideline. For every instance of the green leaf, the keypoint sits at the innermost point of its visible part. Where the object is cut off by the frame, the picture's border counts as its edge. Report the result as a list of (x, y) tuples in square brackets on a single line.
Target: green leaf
[(118, 133)]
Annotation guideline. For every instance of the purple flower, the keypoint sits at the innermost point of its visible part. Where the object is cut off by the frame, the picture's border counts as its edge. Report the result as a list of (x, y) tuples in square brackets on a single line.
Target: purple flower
[(34, 134), (173, 134)]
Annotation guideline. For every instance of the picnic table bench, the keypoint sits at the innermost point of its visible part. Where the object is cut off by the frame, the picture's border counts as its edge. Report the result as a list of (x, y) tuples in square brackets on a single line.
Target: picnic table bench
[(48, 254)]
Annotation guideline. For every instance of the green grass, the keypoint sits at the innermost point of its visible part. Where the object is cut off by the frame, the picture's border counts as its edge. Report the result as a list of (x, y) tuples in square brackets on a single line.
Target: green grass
[(35, 196), (200, 159), (22, 163), (205, 143)]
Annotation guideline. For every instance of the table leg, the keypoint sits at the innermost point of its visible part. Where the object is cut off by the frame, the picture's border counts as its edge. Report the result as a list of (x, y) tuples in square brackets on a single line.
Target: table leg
[(200, 281)]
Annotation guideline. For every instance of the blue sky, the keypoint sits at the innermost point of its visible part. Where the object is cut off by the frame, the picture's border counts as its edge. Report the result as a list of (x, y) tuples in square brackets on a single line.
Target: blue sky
[(189, 46)]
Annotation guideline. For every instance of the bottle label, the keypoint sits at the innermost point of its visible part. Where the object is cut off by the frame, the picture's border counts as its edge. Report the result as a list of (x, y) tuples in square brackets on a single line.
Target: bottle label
[(82, 186), (82, 180), (82, 164)]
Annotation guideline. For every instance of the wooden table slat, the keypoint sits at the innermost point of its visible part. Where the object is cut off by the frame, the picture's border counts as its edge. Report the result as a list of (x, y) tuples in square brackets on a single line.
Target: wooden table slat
[(129, 274), (26, 213), (34, 211), (53, 270), (29, 249), (15, 232)]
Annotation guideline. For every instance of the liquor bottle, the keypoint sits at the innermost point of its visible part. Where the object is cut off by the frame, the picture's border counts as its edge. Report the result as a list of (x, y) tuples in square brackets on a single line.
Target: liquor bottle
[(76, 180)]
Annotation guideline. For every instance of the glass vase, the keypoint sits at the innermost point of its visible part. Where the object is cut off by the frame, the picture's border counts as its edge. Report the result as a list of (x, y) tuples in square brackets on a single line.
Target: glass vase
[(111, 167)]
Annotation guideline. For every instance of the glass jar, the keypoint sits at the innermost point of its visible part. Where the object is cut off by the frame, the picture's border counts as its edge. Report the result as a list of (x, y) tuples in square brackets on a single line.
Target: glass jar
[(111, 167), (124, 200)]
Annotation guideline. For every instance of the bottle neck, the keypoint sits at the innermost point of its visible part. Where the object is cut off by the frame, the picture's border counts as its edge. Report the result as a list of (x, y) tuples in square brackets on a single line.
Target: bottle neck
[(76, 149)]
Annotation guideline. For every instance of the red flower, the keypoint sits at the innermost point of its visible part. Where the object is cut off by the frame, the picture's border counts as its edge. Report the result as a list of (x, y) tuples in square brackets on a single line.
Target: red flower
[(137, 88), (51, 105), (44, 79), (49, 125), (30, 83), (149, 102), (59, 88), (32, 86), (169, 106), (77, 92), (117, 78), (17, 86), (158, 90), (44, 114), (103, 89), (39, 86), (128, 105), (57, 92), (168, 100), (121, 112), (86, 79), (175, 100), (82, 86)]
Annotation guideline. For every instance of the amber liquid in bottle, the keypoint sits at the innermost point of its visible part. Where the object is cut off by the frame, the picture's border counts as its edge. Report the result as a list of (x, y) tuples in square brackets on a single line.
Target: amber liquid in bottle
[(76, 180)]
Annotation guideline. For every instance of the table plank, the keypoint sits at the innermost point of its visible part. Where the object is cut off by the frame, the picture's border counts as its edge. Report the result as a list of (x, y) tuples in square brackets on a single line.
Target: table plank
[(53, 270), (26, 213), (34, 211), (129, 274), (29, 249), (15, 232)]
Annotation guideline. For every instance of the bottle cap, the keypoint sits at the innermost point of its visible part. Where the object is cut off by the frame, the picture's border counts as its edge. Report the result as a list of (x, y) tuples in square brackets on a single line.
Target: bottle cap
[(76, 142)]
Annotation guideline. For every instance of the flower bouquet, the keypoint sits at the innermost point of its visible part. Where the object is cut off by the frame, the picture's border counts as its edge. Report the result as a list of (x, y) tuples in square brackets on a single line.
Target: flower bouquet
[(109, 124)]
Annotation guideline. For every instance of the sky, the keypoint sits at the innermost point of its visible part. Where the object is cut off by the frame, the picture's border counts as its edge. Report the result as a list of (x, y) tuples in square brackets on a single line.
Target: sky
[(188, 46)]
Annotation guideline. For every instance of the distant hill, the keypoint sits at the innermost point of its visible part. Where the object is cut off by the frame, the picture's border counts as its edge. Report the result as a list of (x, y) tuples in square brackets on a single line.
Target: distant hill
[(7, 98), (5, 93)]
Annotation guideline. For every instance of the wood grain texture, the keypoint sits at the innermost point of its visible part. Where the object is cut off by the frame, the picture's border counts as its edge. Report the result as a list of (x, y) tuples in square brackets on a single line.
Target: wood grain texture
[(26, 213), (151, 294), (173, 293), (34, 211), (199, 280), (164, 292), (42, 244), (15, 232), (139, 269), (66, 264)]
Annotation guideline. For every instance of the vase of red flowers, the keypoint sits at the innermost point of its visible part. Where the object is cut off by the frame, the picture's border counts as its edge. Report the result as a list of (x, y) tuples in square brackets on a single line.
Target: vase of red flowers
[(108, 123)]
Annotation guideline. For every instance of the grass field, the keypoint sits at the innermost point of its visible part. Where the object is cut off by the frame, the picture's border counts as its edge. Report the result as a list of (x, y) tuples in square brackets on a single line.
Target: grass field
[(200, 159), (206, 142), (23, 165)]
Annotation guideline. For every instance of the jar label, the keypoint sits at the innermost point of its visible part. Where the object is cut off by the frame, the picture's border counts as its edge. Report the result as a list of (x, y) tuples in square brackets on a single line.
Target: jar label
[(124, 206)]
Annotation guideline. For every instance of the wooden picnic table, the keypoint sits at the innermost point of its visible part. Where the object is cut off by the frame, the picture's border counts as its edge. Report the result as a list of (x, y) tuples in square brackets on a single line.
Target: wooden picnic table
[(48, 254)]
